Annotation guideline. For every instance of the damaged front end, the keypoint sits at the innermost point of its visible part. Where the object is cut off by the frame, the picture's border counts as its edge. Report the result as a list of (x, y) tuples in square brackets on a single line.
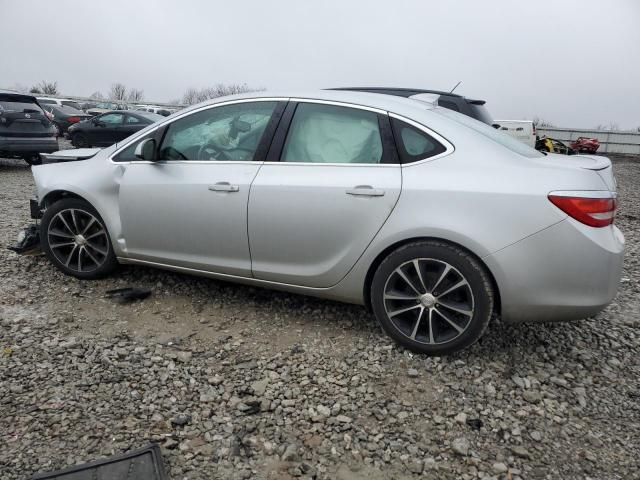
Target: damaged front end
[(28, 241)]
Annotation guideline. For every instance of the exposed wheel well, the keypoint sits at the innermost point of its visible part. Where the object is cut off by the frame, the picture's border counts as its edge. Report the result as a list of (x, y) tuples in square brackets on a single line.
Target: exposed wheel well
[(52, 197), (374, 266)]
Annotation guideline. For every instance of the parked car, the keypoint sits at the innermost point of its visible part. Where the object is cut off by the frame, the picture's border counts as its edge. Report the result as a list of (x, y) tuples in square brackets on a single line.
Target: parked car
[(109, 128), (104, 107), (25, 129), (523, 130), (467, 106), (64, 117), (59, 102), (356, 197), (585, 145)]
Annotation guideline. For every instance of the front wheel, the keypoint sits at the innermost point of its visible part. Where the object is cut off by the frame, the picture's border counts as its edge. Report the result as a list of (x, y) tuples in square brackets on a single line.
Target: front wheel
[(75, 239), (432, 297)]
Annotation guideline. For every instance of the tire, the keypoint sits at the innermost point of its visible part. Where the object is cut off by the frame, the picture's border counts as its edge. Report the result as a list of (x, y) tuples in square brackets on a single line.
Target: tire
[(76, 240), (33, 159), (420, 317), (79, 140)]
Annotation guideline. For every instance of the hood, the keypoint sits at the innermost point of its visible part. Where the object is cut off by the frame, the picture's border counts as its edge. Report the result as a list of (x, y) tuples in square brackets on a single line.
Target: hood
[(69, 155)]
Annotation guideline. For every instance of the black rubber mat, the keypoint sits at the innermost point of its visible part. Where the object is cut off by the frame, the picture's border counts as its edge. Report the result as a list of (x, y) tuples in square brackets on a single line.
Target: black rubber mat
[(143, 464)]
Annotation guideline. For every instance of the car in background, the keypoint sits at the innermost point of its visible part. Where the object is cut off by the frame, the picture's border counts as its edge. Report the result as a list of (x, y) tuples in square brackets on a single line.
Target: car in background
[(109, 128), (25, 129), (523, 130), (585, 145), (435, 221), (64, 116), (467, 106), (60, 102), (104, 107)]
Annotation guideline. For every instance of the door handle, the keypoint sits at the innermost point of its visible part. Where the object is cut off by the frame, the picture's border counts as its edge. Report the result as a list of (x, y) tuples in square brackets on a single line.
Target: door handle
[(224, 187), (366, 191)]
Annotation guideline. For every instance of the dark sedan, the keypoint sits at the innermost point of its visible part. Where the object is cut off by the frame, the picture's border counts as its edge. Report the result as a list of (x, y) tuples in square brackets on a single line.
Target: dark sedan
[(109, 128), (64, 116)]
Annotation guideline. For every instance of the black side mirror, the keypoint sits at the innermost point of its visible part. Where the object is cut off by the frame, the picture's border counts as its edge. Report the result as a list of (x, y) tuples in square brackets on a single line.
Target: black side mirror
[(146, 150)]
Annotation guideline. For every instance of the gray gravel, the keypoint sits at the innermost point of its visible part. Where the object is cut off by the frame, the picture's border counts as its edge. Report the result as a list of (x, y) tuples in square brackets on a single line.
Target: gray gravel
[(239, 382)]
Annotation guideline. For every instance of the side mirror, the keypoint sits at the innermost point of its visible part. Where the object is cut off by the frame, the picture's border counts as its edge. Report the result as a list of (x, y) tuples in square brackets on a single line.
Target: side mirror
[(146, 150)]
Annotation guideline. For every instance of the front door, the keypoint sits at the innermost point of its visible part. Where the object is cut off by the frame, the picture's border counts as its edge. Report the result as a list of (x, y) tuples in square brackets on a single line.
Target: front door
[(189, 208), (313, 212)]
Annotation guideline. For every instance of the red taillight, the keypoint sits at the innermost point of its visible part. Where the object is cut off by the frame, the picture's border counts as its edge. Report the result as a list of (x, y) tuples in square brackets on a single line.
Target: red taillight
[(595, 212), (73, 119)]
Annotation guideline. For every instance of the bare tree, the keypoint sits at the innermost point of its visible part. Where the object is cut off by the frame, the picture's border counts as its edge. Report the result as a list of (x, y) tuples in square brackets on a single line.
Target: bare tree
[(118, 92), (193, 95), (541, 122), (96, 96), (135, 95), (45, 88)]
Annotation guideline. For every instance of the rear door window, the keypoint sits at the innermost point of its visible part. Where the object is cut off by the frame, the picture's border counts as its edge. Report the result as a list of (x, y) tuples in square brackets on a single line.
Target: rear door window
[(333, 134), (414, 144)]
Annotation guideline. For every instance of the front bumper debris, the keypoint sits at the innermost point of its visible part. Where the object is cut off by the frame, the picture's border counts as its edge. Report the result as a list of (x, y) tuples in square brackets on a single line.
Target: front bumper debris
[(34, 207), (28, 241)]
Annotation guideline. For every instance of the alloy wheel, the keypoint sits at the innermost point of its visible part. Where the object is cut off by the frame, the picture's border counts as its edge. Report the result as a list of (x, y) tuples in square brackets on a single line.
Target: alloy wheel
[(429, 301), (78, 240)]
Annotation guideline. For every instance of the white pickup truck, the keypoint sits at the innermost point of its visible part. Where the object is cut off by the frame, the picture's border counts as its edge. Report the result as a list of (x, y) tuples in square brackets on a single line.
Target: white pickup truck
[(523, 130)]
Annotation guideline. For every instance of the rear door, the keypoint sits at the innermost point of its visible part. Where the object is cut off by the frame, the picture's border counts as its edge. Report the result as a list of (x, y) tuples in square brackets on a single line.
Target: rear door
[(329, 183), (131, 125)]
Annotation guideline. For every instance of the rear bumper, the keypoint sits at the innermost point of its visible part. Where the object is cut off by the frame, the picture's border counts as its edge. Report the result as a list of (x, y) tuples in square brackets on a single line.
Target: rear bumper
[(20, 145), (566, 272)]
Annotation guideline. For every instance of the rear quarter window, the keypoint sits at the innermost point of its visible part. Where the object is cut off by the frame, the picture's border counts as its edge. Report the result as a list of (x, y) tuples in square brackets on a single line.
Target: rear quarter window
[(414, 144)]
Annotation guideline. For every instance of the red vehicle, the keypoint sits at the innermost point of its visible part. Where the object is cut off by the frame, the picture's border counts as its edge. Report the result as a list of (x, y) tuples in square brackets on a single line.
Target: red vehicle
[(586, 145)]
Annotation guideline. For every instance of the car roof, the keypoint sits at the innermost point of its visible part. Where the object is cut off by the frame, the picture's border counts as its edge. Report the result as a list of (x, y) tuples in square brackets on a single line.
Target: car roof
[(378, 101), (17, 97)]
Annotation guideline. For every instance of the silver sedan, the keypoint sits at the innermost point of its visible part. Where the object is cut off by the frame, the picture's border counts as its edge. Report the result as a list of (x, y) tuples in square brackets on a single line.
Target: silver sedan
[(432, 220)]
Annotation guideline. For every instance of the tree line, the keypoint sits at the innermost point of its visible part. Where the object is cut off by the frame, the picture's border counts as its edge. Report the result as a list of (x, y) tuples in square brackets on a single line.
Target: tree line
[(121, 93)]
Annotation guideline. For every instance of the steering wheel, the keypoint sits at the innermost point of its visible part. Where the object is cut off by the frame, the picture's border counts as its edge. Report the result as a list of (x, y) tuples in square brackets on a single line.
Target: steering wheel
[(210, 150)]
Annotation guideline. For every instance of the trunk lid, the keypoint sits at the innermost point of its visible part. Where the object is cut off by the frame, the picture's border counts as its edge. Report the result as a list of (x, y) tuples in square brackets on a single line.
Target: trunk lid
[(600, 165)]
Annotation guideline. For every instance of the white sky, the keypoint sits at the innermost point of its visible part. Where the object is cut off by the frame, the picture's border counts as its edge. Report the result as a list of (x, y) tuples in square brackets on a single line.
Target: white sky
[(572, 62)]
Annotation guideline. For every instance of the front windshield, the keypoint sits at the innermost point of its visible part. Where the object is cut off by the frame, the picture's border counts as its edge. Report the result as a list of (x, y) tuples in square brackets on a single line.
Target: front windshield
[(502, 138)]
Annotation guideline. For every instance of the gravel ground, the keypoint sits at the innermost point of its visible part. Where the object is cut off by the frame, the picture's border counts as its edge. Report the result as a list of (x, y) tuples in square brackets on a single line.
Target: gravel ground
[(239, 382)]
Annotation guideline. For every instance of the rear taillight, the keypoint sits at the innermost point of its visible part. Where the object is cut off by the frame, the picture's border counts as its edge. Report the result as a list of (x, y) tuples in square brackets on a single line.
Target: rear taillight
[(73, 119), (596, 209), (49, 115)]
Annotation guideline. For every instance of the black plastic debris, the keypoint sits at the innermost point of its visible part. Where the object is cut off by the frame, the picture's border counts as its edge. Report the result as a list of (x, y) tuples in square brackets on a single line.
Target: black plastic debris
[(143, 464), (128, 294), (28, 241), (474, 423)]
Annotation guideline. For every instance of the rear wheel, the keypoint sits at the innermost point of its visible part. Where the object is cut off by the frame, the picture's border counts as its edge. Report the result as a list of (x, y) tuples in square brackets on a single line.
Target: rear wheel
[(79, 140), (76, 240), (432, 297)]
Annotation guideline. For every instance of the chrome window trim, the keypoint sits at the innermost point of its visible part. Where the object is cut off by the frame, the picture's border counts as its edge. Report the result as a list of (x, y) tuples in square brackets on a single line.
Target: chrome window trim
[(168, 121), (338, 104), (449, 148)]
